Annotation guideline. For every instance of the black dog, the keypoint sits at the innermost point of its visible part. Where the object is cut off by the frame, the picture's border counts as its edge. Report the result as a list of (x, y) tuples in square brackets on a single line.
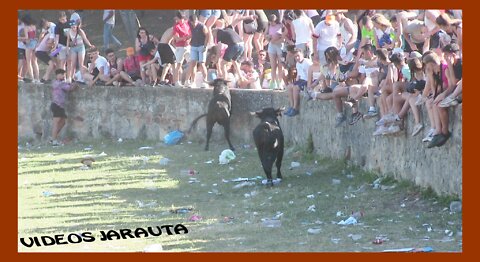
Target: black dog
[(219, 110), (268, 138)]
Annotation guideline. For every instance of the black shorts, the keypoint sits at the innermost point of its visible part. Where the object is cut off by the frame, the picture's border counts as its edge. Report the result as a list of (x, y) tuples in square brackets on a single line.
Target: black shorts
[(166, 53), (21, 54), (43, 56), (134, 76), (57, 111)]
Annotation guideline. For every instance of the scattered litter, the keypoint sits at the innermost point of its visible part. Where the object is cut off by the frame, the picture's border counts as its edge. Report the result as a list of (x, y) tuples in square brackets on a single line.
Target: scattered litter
[(348, 221), (448, 233), (231, 168), (314, 231), (384, 188), (336, 181), (145, 148), (209, 162), (224, 180), (379, 240), (340, 214), (87, 161), (455, 206), (164, 161), (294, 164), (181, 210), (446, 239), (120, 140), (150, 204), (308, 173), (48, 193), (87, 148), (275, 181), (311, 196), (188, 172), (193, 180), (267, 222), (244, 184), (153, 248), (226, 156), (402, 205), (84, 168), (355, 237), (350, 176), (311, 208), (173, 137), (278, 215), (335, 240), (60, 160), (410, 249), (195, 218), (102, 154), (290, 202), (228, 219), (376, 183)]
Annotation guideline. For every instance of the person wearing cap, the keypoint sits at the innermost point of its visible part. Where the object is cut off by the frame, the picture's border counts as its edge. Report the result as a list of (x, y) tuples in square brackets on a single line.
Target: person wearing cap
[(325, 35), (454, 75), (60, 88)]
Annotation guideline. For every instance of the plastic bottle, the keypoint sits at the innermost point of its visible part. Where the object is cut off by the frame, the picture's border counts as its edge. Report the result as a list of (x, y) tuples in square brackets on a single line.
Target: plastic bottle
[(456, 206)]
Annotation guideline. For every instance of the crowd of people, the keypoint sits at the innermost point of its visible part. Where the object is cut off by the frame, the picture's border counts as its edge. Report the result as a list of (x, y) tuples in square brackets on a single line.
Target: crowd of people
[(398, 60)]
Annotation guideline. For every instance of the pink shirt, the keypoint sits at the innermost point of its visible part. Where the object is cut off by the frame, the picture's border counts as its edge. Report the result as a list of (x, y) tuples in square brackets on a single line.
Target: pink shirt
[(182, 29)]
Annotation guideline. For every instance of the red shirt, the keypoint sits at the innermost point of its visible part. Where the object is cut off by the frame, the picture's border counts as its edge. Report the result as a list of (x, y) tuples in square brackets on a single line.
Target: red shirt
[(182, 29)]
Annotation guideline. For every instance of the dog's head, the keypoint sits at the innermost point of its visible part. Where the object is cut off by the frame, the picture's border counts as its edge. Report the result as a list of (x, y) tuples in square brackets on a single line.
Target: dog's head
[(220, 86)]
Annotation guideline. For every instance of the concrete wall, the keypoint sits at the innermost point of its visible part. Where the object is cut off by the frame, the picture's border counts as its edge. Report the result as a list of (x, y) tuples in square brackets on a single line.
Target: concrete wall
[(150, 113)]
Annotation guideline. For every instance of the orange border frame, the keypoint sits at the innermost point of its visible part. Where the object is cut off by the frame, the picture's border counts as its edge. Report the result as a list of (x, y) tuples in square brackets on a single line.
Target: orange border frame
[(10, 221)]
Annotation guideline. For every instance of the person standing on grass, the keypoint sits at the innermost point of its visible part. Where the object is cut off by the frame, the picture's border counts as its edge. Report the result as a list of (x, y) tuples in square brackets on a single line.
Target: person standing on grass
[(59, 95)]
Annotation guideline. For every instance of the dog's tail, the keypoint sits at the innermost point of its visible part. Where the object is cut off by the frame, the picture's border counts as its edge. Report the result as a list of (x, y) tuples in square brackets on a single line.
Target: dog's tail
[(194, 123)]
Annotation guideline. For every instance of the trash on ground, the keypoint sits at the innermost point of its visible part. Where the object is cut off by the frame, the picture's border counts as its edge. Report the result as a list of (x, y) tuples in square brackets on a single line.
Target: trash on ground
[(294, 164), (120, 140), (314, 231), (410, 249), (355, 237), (102, 154), (336, 181), (145, 148), (48, 193), (244, 184), (384, 188), (308, 173), (153, 248), (267, 222), (278, 215), (339, 214), (311, 208), (226, 156), (311, 196), (209, 162), (181, 210), (150, 204), (195, 218), (84, 167), (164, 161), (348, 221), (455, 206), (87, 148), (193, 180), (335, 240), (275, 181), (188, 172), (173, 137)]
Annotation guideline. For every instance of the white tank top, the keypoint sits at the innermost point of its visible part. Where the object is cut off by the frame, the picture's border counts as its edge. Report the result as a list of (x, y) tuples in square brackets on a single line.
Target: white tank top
[(429, 23)]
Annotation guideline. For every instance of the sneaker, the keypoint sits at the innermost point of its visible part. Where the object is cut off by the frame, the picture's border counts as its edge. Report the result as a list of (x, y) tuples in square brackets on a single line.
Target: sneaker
[(389, 118), (56, 143), (178, 84), (443, 139), (294, 112), (289, 111), (188, 84), (371, 113), (435, 140), (392, 130), (339, 120), (381, 130), (355, 117), (416, 129), (429, 136)]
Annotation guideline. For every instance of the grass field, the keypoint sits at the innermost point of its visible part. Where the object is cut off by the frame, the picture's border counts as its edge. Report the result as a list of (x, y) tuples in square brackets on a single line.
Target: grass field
[(127, 188)]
